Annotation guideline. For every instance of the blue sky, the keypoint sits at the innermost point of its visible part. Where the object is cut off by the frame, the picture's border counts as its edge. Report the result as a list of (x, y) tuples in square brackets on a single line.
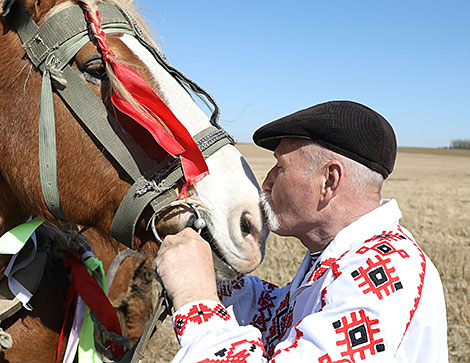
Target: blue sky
[(408, 60)]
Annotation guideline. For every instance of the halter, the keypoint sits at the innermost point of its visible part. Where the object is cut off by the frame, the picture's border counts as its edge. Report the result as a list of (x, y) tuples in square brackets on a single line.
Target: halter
[(50, 51)]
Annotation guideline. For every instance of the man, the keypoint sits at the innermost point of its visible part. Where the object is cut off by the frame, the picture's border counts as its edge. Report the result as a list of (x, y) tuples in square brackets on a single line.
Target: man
[(365, 292)]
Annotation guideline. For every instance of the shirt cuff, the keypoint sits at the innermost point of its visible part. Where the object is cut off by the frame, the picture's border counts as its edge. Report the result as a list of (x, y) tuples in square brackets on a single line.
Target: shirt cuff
[(198, 318)]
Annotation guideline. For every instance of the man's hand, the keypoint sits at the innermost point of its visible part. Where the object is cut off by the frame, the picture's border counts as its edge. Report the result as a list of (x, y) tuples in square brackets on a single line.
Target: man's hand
[(185, 266)]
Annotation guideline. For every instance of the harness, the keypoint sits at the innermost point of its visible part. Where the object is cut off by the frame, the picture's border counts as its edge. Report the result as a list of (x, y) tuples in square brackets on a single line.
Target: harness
[(50, 51), (50, 48)]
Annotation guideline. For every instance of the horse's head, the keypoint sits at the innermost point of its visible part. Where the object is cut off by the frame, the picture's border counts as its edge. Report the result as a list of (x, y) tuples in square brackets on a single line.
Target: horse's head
[(92, 178)]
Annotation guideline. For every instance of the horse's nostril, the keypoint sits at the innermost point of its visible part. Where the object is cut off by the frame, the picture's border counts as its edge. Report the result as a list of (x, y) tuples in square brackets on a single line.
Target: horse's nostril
[(245, 225)]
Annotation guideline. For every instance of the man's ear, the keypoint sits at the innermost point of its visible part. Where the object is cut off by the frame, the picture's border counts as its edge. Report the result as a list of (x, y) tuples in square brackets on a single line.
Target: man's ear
[(333, 176)]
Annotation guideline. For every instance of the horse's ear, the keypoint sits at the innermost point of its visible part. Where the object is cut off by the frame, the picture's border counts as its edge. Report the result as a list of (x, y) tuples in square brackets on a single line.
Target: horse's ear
[(6, 6)]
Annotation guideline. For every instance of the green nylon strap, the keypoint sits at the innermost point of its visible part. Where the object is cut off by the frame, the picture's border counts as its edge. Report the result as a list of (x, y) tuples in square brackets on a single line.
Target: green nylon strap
[(47, 140), (71, 20), (25, 28), (94, 116), (212, 139), (47, 150), (14, 240), (131, 208), (209, 141), (40, 41), (67, 50), (47, 137)]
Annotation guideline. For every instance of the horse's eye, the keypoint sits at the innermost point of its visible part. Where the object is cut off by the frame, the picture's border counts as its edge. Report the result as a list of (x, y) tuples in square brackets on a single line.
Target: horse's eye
[(96, 69)]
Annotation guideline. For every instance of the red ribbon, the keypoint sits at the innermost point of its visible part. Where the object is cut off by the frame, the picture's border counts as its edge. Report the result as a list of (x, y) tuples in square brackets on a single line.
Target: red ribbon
[(180, 141), (94, 297)]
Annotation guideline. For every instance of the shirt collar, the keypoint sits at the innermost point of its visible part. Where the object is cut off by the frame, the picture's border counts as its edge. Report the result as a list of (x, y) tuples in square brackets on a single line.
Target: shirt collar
[(384, 217)]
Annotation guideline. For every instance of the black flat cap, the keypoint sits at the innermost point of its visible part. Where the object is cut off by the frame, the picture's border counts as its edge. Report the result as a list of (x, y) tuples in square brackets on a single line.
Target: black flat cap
[(345, 127)]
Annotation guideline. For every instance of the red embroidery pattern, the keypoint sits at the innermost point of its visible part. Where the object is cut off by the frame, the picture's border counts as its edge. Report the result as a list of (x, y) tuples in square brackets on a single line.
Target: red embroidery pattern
[(384, 247), (198, 314), (336, 273), (358, 335), (265, 306), (295, 344), (269, 286), (322, 267), (420, 286), (225, 288), (282, 321), (238, 352), (238, 283), (377, 277)]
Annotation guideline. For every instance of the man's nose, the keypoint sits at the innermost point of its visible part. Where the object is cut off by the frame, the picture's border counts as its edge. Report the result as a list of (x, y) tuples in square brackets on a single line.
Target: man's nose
[(268, 181)]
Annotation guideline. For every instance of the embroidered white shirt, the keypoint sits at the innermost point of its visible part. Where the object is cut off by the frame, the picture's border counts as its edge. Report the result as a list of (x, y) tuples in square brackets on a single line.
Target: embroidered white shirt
[(371, 296)]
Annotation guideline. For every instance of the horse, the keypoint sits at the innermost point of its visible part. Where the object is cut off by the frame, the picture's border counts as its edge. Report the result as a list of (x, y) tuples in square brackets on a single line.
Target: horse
[(86, 183)]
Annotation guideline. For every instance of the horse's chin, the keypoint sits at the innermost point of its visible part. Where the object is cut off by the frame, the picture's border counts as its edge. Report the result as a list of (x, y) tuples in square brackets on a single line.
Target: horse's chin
[(226, 271), (223, 271), (229, 266)]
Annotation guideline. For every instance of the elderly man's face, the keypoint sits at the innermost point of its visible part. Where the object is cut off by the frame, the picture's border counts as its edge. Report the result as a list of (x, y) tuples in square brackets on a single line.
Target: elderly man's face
[(294, 189)]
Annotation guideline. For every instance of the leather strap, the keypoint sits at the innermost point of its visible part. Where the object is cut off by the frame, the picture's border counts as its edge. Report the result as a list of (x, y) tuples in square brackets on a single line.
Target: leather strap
[(39, 42), (44, 41), (160, 193)]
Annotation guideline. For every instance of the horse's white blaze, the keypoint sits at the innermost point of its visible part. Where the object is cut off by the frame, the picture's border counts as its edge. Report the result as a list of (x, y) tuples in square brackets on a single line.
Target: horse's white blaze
[(175, 96), (230, 190)]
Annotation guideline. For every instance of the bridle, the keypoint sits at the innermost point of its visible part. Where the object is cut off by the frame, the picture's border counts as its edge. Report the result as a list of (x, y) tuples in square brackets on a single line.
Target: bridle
[(50, 51)]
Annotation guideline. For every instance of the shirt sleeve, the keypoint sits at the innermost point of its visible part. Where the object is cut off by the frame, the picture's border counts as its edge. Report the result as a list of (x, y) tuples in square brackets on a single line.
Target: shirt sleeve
[(253, 300), (208, 332)]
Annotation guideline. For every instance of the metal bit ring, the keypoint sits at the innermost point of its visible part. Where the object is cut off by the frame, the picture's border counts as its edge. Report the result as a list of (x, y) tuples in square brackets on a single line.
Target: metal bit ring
[(199, 224)]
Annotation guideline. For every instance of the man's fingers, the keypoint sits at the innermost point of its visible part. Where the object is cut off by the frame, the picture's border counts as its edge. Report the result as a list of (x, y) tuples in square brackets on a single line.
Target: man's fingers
[(172, 240), (187, 235), (185, 241), (184, 264)]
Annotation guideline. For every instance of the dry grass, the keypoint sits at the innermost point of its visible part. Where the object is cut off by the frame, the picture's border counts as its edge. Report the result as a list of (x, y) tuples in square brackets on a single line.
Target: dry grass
[(432, 188)]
